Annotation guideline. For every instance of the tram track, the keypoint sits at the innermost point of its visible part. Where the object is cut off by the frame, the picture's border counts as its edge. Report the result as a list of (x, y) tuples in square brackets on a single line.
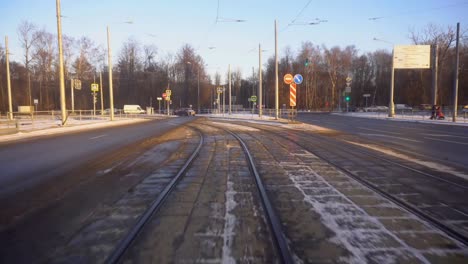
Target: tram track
[(320, 145), (277, 234)]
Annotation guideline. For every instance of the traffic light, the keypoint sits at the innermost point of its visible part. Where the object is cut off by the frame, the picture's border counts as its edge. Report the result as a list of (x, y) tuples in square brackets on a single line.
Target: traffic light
[(347, 98), (306, 63)]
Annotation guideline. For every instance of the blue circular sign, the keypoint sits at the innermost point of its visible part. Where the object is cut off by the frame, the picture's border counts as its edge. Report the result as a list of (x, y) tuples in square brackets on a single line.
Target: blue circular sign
[(298, 79)]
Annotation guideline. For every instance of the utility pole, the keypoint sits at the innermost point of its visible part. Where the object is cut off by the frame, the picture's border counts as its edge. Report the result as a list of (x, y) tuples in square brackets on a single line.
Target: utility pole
[(276, 74), (198, 88), (62, 77), (455, 82), (72, 95), (260, 101), (229, 79), (391, 105), (111, 92), (435, 66), (102, 98), (7, 57)]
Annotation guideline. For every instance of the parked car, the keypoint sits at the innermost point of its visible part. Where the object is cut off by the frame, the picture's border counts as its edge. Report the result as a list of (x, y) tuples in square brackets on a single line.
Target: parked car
[(376, 108), (185, 112), (425, 107), (465, 109), (403, 107)]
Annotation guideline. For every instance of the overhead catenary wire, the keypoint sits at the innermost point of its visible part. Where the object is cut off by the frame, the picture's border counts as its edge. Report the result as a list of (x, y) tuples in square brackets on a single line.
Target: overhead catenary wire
[(417, 11)]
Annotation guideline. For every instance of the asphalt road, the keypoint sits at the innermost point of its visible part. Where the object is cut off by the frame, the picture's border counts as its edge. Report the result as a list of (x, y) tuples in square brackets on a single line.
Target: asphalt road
[(29, 162), (445, 143)]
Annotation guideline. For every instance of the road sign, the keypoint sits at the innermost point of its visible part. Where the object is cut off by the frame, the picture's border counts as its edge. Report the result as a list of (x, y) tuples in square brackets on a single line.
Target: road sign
[(298, 79), (253, 98), (288, 78), (36, 101), (366, 95), (349, 79), (159, 98), (219, 90), (168, 92), (77, 84), (411, 56), (164, 95), (292, 94), (168, 98), (94, 87), (348, 89)]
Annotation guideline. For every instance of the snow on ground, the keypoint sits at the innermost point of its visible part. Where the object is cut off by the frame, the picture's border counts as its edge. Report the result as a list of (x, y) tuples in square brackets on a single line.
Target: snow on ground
[(416, 117), (52, 127), (236, 127), (432, 165)]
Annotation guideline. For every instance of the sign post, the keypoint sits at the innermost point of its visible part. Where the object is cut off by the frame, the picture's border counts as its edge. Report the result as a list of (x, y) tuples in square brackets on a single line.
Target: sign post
[(94, 90), (253, 99), (407, 57), (167, 96), (159, 104), (293, 82)]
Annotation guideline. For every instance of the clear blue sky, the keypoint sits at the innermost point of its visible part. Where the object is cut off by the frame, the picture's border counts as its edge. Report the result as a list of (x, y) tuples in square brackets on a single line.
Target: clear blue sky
[(171, 23)]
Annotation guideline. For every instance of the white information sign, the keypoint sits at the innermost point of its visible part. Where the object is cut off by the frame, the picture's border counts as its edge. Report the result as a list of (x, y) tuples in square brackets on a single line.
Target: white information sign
[(412, 57)]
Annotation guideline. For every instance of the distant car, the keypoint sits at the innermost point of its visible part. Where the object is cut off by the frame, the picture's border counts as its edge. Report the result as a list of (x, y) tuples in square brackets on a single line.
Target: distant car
[(376, 108), (465, 109), (133, 109), (425, 107), (185, 112), (107, 111), (403, 107)]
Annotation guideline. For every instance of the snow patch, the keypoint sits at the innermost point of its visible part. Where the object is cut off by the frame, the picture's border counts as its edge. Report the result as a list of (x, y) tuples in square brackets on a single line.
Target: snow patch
[(229, 223), (237, 127)]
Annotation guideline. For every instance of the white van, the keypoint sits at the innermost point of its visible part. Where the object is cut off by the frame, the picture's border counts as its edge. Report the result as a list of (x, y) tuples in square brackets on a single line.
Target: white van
[(133, 109)]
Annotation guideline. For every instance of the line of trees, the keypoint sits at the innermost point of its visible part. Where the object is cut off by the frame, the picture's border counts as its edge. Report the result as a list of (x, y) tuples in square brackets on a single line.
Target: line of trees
[(142, 74)]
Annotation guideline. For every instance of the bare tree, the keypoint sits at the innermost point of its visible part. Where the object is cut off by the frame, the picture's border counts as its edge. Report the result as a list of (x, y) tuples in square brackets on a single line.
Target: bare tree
[(27, 36), (44, 51)]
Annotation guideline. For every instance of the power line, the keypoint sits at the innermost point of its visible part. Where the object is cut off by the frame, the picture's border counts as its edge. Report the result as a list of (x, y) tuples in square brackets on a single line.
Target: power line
[(417, 11), (297, 16)]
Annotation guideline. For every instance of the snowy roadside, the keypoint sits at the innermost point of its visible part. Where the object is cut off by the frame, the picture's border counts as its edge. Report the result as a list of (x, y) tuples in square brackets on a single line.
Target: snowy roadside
[(52, 127), (418, 118)]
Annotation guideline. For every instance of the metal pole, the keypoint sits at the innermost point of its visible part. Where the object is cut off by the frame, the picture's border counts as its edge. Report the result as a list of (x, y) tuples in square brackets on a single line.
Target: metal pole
[(276, 75), (10, 104), (229, 77), (63, 107), (94, 103), (102, 98), (224, 99), (391, 106), (109, 59), (72, 95), (435, 52), (198, 89), (168, 109), (455, 82), (218, 102), (260, 101)]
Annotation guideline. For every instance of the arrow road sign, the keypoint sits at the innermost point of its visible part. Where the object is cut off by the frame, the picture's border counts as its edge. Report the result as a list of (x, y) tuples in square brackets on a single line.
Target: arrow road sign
[(298, 79), (288, 78)]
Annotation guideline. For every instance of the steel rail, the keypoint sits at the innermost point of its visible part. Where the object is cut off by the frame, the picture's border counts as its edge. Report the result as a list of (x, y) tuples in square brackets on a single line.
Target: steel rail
[(126, 242), (272, 217), (431, 220)]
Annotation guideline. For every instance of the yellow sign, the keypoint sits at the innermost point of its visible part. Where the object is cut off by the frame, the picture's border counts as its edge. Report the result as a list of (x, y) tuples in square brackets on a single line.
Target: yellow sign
[(412, 57), (168, 92), (94, 87)]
